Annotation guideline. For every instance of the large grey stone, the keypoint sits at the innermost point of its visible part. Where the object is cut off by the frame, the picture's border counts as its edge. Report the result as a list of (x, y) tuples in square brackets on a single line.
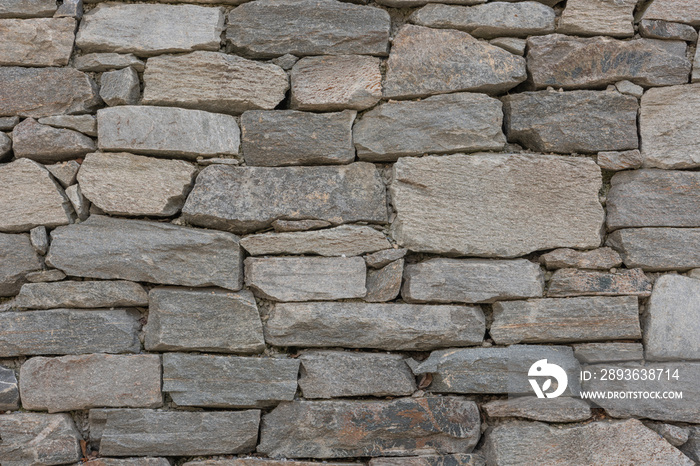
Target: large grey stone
[(679, 11), (228, 381), (471, 280), (384, 284), (270, 28), (9, 390), (574, 282), (36, 42), (80, 294), (599, 259), (17, 259), (425, 61), (27, 8), (374, 325), (657, 249), (576, 121), (108, 61), (493, 205), (120, 87), (215, 82), (562, 409), (137, 250), (552, 320), (238, 199), (605, 352), (86, 124), (405, 426), (598, 17), (658, 29), (46, 144), (436, 125), (457, 459), (41, 439)]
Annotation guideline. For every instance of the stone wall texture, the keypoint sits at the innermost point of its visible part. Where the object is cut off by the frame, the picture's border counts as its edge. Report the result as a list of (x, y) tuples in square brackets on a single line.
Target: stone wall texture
[(346, 232)]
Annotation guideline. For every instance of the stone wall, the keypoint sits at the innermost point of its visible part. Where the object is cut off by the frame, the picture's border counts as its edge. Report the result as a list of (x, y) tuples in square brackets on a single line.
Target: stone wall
[(235, 233)]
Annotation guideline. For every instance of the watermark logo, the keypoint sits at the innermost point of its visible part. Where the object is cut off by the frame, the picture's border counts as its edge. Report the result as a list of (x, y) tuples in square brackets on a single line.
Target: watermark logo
[(552, 371)]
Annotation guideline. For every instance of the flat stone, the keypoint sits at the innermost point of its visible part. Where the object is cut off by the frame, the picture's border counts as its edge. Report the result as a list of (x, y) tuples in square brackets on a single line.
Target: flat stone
[(215, 82), (695, 76), (17, 259), (459, 459), (178, 433), (138, 250), (65, 172), (47, 144), (552, 320), (472, 280), (674, 435), (80, 204), (384, 284), (657, 249), (388, 326), (286, 61), (9, 390), (576, 121), (679, 11), (7, 123), (228, 381), (44, 276), (153, 29), (125, 184), (492, 205), (289, 137), (657, 29), (608, 352), (598, 18), (629, 88), (27, 8), (441, 124), (490, 20), (34, 438), (412, 3), (425, 61), (80, 294), (126, 462), (380, 259), (512, 44), (692, 447), (319, 27), (597, 259), (86, 124), (695, 273), (99, 62), (87, 381), (252, 461), (563, 409), (36, 42), (574, 282), (306, 278), (620, 160), (556, 60), (72, 332), (120, 87), (203, 320), (237, 199), (601, 442), (40, 239), (281, 226), (336, 82), (404, 426)]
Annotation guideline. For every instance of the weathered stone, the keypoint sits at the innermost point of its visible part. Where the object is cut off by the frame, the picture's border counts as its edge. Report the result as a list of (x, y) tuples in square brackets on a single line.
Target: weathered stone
[(125, 462), (412, 3), (512, 44), (17, 259), (426, 61), (178, 433), (674, 435), (120, 87), (459, 459), (46, 144), (629, 88), (30, 198), (40, 92), (598, 18), (282, 226), (42, 439), (556, 60), (238, 199), (9, 391), (380, 259), (493, 205), (657, 249), (80, 294), (86, 124), (597, 259), (27, 8), (39, 239), (87, 381), (65, 172), (616, 160), (318, 27), (306, 278), (399, 427), (576, 121), (490, 20), (657, 29), (288, 137), (602, 442), (553, 320), (152, 29), (695, 273), (374, 325), (7, 123), (137, 250), (5, 145), (108, 61), (286, 61), (80, 204), (252, 461), (695, 76), (45, 276), (215, 82), (605, 352), (71, 332), (228, 381), (563, 409), (679, 11), (574, 282), (36, 42), (70, 9), (336, 82), (437, 125), (692, 447), (384, 284), (203, 320)]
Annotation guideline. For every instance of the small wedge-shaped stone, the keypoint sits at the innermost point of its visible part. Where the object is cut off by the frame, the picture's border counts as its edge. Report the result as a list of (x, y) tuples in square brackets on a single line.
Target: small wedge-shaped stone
[(576, 121), (41, 439), (47, 144), (384, 284), (80, 294), (215, 82), (150, 29), (493, 205), (489, 20), (126, 184), (657, 249), (605, 352), (369, 325), (17, 259), (458, 459), (147, 432), (108, 61), (71, 332), (556, 60), (88, 381), (678, 11), (462, 122), (9, 390), (562, 409), (30, 197), (138, 250), (598, 17), (270, 28), (27, 8), (574, 282), (228, 381), (333, 374), (471, 280), (86, 124), (597, 259), (36, 42), (167, 131), (306, 278), (399, 427), (425, 61)]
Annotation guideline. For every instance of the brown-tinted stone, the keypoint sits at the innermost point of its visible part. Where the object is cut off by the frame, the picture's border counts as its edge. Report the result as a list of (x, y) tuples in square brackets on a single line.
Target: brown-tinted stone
[(384, 284), (27, 8), (457, 459), (47, 144), (562, 409), (657, 249), (17, 259), (574, 282), (679, 11), (657, 29), (38, 439), (597, 259)]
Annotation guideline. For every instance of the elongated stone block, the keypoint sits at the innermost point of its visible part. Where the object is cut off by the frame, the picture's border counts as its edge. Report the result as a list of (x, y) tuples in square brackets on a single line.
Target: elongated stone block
[(46, 144), (36, 42), (594, 18), (574, 282), (80, 294), (604, 352), (657, 249), (562, 409), (34, 438), (597, 259), (27, 8)]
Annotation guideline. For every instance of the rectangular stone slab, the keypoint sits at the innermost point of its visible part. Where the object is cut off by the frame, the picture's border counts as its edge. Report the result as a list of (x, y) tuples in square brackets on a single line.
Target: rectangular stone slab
[(457, 459), (38, 438), (36, 42), (496, 205), (604, 352), (574, 282), (252, 461), (657, 249), (27, 8), (80, 294)]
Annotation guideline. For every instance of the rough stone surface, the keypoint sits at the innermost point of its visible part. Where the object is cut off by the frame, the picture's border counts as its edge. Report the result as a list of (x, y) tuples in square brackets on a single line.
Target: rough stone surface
[(108, 61), (5, 145), (679, 11), (657, 249), (44, 276), (563, 409), (17, 259), (657, 29), (36, 42), (597, 259), (674, 435), (40, 239), (47, 144), (492, 205), (34, 438), (629, 88), (27, 8), (384, 284), (9, 391), (70, 9), (379, 259), (374, 325), (65, 172), (459, 459), (80, 204), (512, 44), (692, 447), (120, 87), (252, 461), (574, 282), (598, 18), (86, 124), (620, 160), (282, 226), (7, 123), (80, 294), (605, 352), (126, 462)]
